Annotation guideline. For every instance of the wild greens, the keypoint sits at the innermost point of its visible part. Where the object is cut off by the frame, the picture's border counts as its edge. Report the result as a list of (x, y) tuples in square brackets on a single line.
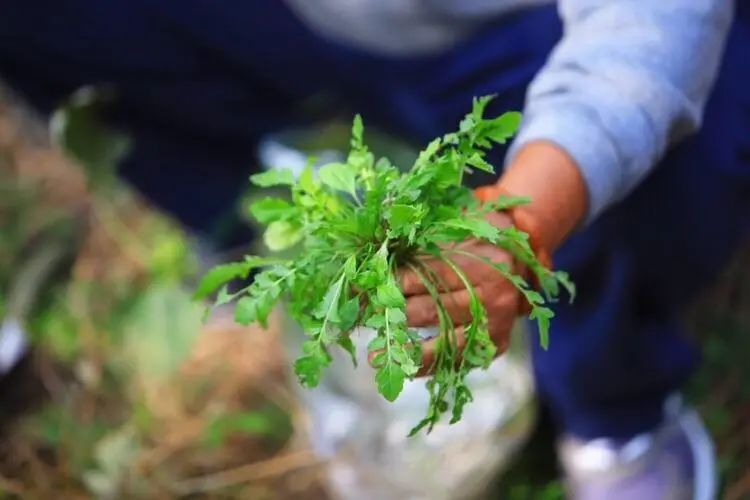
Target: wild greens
[(356, 223)]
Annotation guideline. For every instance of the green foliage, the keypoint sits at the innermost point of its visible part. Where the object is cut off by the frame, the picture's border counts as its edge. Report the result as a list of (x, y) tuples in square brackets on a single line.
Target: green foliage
[(171, 319), (268, 422), (78, 129), (361, 220)]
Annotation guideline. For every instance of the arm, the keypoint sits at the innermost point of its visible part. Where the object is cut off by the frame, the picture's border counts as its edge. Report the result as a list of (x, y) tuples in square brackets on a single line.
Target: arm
[(628, 78)]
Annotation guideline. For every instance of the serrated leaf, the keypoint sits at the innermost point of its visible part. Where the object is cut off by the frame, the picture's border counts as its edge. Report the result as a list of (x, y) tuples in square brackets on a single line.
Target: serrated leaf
[(400, 216), (246, 311), (308, 370), (376, 344), (389, 295), (376, 321), (224, 273), (479, 104), (272, 209), (396, 316), (428, 152), (338, 176), (274, 177), (480, 163), (309, 367), (479, 228), (503, 127)]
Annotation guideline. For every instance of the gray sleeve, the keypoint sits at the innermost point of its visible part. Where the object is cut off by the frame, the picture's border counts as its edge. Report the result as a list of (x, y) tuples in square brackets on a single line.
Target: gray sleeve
[(628, 78)]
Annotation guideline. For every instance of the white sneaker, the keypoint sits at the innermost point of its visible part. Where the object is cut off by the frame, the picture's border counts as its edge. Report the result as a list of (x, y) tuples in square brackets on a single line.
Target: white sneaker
[(674, 462)]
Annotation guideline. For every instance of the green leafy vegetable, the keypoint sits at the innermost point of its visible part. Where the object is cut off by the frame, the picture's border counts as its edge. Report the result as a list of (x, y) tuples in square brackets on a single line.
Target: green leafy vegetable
[(278, 177), (357, 223)]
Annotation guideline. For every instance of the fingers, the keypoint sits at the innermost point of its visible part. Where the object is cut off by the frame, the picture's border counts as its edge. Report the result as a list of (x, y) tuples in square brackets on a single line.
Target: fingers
[(421, 310), (412, 284), (475, 270), (498, 301)]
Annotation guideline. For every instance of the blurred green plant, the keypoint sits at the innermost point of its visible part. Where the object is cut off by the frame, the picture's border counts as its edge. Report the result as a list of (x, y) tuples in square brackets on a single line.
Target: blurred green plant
[(79, 130), (112, 336)]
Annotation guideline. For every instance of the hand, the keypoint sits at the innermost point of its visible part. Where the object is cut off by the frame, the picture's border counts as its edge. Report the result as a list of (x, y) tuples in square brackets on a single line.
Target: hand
[(500, 298)]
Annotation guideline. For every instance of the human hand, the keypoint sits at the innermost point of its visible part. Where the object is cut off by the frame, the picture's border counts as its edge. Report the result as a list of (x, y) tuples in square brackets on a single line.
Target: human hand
[(500, 298)]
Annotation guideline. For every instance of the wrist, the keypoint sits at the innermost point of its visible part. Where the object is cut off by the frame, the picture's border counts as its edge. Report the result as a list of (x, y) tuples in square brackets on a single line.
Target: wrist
[(550, 178)]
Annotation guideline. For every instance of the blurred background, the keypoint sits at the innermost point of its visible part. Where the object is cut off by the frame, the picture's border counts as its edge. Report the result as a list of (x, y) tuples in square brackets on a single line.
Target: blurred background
[(113, 387)]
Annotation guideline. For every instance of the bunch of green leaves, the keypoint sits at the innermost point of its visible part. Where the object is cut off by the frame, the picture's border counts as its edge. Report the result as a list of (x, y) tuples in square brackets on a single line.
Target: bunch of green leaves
[(360, 221)]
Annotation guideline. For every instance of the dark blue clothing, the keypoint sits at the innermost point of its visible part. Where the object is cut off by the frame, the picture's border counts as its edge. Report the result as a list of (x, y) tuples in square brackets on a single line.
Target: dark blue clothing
[(200, 83)]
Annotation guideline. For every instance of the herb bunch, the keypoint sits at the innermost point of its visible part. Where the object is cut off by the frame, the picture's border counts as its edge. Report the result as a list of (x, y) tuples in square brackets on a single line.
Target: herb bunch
[(360, 221)]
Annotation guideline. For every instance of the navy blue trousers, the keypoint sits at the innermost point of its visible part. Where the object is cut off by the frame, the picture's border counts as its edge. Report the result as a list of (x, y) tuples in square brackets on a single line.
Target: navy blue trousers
[(200, 82)]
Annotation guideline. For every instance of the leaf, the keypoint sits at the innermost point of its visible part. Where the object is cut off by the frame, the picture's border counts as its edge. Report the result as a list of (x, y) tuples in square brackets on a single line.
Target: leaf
[(350, 267), (376, 321), (357, 132), (396, 316), (479, 104), (400, 216), (404, 360), (480, 163), (390, 379), (309, 367), (272, 209), (307, 180), (427, 153), (379, 263), (389, 295), (503, 127), (462, 396), (246, 311), (564, 279), (338, 176), (376, 344), (274, 177), (348, 313), (542, 315), (224, 273), (218, 276), (260, 298), (505, 202), (282, 234), (328, 307), (479, 228)]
